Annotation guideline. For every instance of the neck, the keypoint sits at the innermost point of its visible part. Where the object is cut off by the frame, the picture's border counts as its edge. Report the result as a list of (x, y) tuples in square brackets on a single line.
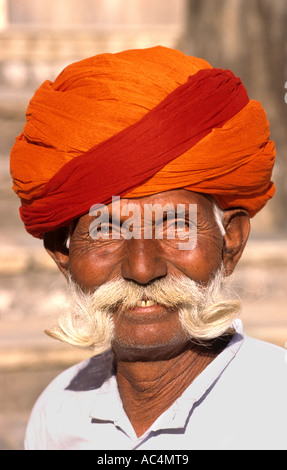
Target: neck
[(148, 388)]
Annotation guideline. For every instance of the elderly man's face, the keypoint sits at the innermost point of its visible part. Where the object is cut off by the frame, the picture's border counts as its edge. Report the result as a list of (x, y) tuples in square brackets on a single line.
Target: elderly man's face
[(93, 262)]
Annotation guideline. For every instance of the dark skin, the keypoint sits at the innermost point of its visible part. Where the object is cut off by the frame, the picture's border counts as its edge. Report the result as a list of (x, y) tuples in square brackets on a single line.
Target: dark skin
[(155, 360)]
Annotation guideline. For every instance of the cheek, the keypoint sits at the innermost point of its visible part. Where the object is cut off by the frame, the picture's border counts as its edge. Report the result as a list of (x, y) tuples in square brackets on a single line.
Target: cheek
[(202, 262), (91, 268)]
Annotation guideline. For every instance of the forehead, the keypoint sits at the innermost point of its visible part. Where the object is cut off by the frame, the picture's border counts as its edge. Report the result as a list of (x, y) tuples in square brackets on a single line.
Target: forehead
[(165, 199), (120, 207)]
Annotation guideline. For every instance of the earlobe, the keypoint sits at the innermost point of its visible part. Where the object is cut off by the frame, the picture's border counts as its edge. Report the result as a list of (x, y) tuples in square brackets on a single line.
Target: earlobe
[(237, 226), (55, 244)]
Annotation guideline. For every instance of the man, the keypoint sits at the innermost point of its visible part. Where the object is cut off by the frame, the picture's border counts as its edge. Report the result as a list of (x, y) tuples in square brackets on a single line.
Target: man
[(140, 170)]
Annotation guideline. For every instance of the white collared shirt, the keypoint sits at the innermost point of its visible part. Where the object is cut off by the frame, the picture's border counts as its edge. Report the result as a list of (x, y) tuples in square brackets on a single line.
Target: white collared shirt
[(239, 401)]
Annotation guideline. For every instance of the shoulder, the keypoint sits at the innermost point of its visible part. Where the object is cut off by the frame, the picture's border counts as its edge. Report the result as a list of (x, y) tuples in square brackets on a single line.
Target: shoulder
[(72, 390), (247, 405), (259, 369), (264, 355), (256, 355)]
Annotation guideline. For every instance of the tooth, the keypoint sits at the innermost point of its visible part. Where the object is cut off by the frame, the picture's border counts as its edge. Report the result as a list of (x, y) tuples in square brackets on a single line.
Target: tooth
[(145, 303)]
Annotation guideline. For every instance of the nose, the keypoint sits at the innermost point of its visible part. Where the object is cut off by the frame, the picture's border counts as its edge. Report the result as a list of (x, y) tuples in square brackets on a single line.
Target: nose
[(143, 262)]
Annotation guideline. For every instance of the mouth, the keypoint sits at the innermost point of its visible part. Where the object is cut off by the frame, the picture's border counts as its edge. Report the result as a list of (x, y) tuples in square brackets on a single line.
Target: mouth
[(144, 311), (145, 303)]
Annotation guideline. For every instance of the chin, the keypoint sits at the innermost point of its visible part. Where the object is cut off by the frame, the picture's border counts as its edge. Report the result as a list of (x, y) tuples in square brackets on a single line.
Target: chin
[(160, 348)]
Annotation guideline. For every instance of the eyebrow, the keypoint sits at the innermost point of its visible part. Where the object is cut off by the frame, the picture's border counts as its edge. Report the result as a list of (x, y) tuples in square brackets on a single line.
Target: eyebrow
[(175, 212)]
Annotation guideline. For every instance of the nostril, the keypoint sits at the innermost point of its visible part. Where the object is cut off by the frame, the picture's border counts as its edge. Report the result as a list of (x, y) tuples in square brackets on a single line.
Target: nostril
[(143, 262)]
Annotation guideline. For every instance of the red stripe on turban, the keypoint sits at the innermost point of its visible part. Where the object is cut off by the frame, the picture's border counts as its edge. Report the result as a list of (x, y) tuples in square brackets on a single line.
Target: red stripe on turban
[(205, 135)]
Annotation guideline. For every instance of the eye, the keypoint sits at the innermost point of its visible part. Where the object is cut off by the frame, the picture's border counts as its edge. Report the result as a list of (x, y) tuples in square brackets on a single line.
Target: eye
[(183, 228), (172, 228), (104, 231), (99, 231)]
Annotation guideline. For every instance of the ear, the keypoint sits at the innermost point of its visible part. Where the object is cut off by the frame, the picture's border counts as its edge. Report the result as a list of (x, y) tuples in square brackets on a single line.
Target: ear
[(55, 245), (237, 226)]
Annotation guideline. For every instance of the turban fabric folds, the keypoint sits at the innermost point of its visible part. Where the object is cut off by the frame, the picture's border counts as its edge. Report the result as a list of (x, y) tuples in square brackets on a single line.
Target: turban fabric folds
[(137, 123)]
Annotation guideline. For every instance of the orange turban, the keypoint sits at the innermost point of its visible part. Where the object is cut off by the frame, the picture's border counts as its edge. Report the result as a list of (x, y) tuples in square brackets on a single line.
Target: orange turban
[(136, 123)]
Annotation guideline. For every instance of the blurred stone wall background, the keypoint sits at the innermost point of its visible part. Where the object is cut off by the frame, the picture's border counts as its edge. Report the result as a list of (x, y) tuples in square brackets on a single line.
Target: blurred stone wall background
[(37, 39), (250, 38)]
